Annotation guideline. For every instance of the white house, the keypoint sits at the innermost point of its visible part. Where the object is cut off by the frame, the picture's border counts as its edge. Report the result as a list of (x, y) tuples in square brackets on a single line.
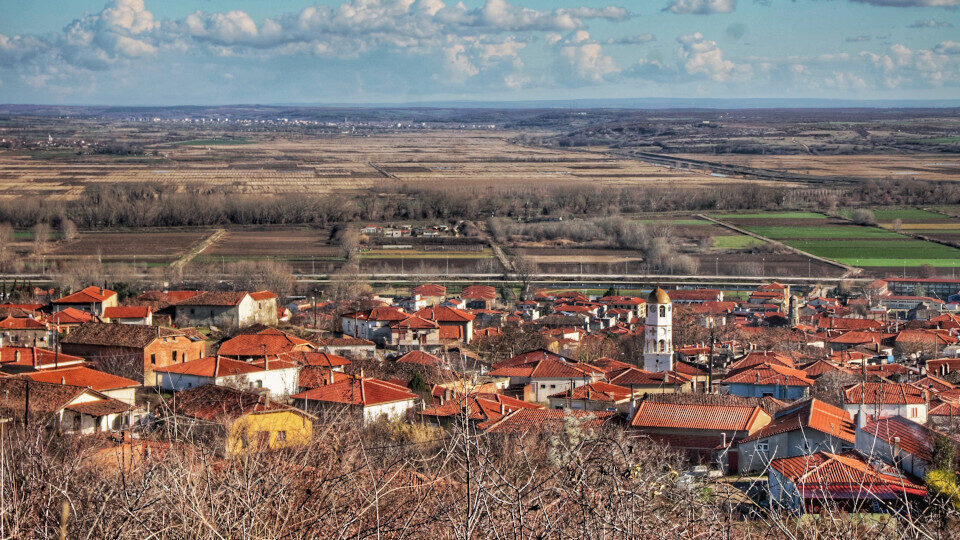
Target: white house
[(279, 378), (881, 400), (370, 399), (226, 308)]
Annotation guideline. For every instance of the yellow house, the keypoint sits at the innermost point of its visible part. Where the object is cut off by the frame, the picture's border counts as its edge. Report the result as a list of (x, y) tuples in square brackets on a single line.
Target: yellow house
[(269, 430), (244, 421)]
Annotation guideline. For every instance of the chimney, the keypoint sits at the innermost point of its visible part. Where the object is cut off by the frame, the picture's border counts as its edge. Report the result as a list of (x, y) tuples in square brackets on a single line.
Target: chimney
[(861, 418), (330, 377), (633, 404), (503, 409), (723, 440), (216, 366)]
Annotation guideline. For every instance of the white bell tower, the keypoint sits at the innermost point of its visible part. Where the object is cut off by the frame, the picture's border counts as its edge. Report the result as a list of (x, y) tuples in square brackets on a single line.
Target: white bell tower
[(658, 332)]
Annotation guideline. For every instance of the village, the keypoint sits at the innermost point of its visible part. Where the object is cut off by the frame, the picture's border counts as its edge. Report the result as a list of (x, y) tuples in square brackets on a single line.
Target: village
[(827, 398)]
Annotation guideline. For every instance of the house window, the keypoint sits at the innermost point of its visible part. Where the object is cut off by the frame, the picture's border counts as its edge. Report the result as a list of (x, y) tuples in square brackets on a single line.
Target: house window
[(192, 311), (763, 446), (259, 384), (281, 436), (174, 356), (153, 359), (913, 412), (553, 386), (543, 386)]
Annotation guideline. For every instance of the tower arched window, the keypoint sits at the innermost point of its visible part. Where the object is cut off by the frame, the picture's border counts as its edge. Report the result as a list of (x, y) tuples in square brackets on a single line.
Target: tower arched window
[(663, 311), (660, 345)]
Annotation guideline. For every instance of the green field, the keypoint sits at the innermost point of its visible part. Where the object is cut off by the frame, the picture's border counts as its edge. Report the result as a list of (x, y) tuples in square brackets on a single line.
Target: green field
[(826, 231), (771, 215), (890, 214), (881, 252), (735, 241)]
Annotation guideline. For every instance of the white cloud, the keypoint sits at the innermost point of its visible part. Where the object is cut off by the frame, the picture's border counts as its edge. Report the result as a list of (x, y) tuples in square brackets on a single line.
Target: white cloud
[(702, 57), (701, 7), (586, 58)]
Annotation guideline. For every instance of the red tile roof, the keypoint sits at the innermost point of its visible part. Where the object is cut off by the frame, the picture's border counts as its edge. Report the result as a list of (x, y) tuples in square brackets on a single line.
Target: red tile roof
[(445, 314), (83, 376), (414, 323), (809, 414), (820, 367), (914, 438), (430, 289), (883, 393), (756, 358), (481, 406), (35, 357), (358, 391), (11, 323), (420, 358), (69, 316), (479, 292), (609, 364), (89, 295), (127, 312), (204, 367), (637, 376), (262, 295), (268, 341), (315, 377), (596, 391), (315, 358), (823, 474), (690, 416), (769, 374)]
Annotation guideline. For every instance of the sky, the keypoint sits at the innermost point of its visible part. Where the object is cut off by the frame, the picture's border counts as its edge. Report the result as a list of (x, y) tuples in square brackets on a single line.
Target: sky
[(208, 52)]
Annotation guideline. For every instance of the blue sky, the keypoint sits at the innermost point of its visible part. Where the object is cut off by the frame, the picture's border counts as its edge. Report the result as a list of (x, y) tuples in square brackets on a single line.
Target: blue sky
[(142, 52)]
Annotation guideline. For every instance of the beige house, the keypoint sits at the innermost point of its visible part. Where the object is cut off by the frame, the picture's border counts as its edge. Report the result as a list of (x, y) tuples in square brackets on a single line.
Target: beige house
[(236, 309), (93, 300)]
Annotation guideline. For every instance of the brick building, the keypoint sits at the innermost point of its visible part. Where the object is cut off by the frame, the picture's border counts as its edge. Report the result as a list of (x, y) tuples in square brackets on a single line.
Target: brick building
[(132, 350)]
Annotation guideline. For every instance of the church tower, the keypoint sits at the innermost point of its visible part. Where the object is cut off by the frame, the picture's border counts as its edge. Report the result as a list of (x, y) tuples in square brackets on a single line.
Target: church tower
[(658, 332)]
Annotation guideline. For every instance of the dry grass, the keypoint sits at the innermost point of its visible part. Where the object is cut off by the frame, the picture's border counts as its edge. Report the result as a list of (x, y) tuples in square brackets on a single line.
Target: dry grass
[(273, 164), (909, 166)]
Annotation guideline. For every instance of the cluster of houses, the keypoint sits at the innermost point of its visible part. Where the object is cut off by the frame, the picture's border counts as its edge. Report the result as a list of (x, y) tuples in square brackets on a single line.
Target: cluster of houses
[(404, 231), (87, 363)]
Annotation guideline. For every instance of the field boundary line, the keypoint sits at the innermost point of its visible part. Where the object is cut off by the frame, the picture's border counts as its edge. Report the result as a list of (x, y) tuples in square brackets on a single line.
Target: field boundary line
[(196, 250), (849, 270)]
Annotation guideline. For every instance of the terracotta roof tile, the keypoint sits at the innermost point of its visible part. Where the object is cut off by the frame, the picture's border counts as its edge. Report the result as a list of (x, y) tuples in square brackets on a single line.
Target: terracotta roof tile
[(883, 393), (358, 391), (88, 295), (269, 341), (84, 377), (689, 416)]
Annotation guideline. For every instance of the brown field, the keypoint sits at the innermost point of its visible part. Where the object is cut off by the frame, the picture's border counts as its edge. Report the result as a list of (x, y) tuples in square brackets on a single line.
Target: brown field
[(276, 242), (891, 166), (143, 245), (273, 164)]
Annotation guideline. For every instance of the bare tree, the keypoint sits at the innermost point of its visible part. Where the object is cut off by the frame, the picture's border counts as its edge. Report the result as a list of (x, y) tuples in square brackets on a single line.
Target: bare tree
[(41, 238), (526, 268), (68, 229), (6, 238)]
